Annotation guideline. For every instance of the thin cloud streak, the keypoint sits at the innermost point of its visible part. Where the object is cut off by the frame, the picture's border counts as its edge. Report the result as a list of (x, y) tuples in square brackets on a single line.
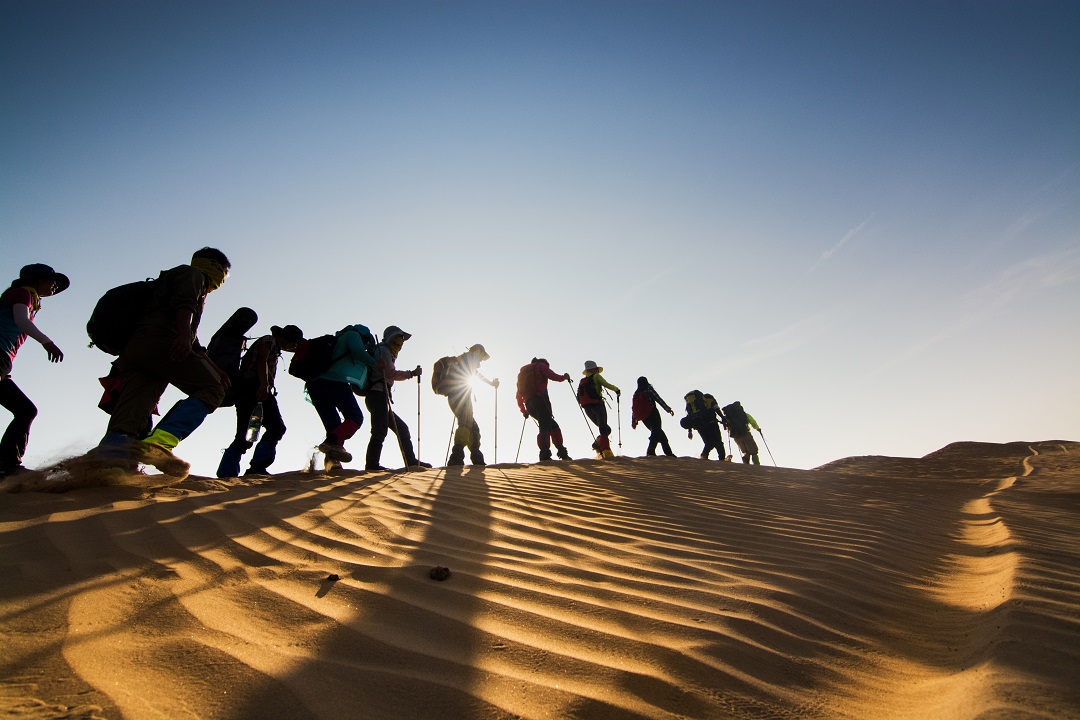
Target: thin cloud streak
[(848, 237)]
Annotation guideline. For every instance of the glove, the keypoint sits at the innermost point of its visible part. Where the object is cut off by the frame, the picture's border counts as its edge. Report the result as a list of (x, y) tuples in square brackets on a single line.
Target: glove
[(525, 415), (495, 383), (567, 376), (633, 424)]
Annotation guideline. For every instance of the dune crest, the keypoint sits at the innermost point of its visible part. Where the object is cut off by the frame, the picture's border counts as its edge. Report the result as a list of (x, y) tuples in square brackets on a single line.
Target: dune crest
[(944, 586)]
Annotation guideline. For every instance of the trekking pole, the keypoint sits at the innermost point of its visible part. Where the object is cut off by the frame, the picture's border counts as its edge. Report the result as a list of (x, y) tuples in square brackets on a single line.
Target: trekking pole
[(392, 418), (729, 455), (767, 448), (495, 455), (584, 417), (618, 416), (417, 418), (453, 426), (524, 422)]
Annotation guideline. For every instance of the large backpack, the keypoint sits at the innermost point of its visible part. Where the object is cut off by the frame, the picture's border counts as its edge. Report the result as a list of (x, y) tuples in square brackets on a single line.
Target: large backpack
[(528, 381), (736, 418), (118, 312), (587, 392), (641, 406), (313, 357), (440, 375), (227, 345)]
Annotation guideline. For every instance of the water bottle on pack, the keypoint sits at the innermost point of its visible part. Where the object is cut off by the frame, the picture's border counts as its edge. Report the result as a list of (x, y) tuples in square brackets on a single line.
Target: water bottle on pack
[(255, 423)]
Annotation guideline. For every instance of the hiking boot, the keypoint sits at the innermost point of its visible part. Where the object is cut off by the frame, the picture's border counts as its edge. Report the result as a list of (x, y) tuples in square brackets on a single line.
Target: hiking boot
[(457, 456), (563, 454), (545, 454), (477, 458), (419, 464), (335, 452), (374, 468), (161, 458), (607, 454)]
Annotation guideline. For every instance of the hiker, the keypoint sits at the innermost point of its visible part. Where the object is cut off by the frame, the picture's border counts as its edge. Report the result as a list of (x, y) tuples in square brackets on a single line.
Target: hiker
[(331, 391), (164, 350), (643, 409), (533, 401), (253, 386), (452, 377), (592, 400), (380, 400), (739, 423), (706, 420), (19, 304)]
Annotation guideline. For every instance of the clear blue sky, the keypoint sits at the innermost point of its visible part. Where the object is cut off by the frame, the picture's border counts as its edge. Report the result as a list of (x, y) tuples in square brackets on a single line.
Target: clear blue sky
[(861, 219)]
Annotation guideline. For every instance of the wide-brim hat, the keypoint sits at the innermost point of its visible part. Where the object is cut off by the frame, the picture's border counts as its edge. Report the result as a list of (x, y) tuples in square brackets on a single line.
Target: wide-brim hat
[(289, 333), (392, 332), (39, 271), (478, 349), (590, 366)]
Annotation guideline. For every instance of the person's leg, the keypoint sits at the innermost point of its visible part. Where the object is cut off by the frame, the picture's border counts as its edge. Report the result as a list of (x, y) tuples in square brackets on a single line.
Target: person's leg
[(234, 453), (404, 438), (380, 419), (273, 430), (652, 422), (17, 435)]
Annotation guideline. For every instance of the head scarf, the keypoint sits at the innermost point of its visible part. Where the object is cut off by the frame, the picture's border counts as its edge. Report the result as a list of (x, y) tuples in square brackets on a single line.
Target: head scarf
[(215, 272)]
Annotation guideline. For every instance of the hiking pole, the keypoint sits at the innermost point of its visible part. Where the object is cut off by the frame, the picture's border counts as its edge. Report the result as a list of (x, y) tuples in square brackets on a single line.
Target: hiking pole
[(618, 416), (524, 422), (729, 455), (495, 455), (392, 418), (584, 417), (418, 418), (767, 448), (453, 426)]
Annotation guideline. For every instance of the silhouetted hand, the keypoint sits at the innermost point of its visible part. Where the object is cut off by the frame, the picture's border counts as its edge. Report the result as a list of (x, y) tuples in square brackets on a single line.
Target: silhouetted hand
[(495, 383), (54, 352), (633, 424), (525, 415), (417, 371), (567, 376)]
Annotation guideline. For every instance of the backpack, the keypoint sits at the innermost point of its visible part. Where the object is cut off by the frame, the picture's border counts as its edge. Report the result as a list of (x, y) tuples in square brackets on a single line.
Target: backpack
[(696, 412), (440, 375), (313, 357), (587, 392), (118, 312), (736, 419), (642, 405), (528, 381), (227, 345)]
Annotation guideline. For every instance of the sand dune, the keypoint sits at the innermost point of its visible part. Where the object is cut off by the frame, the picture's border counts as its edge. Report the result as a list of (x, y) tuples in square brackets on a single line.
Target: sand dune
[(941, 587)]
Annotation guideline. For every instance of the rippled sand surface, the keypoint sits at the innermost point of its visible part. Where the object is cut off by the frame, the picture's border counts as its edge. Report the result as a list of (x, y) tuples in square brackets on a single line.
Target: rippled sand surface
[(874, 587)]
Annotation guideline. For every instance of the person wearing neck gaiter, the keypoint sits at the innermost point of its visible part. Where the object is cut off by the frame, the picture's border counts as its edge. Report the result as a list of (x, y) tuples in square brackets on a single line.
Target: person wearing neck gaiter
[(164, 350)]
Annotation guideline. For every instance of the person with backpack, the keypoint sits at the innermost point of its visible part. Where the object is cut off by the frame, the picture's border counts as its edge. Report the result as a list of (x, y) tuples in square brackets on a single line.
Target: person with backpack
[(739, 423), (591, 397), (253, 387), (704, 418), (643, 410), (452, 377), (380, 399), (19, 304), (163, 349), (533, 401), (332, 391)]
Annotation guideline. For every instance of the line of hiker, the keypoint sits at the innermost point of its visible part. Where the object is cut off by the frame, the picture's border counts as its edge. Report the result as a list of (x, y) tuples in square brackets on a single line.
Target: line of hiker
[(152, 328)]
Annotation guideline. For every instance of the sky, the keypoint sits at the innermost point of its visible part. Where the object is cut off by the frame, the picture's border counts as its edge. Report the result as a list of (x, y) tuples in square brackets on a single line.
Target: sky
[(862, 220)]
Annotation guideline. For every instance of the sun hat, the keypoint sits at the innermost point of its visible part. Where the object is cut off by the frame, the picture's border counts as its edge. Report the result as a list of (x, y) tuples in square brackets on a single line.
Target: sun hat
[(39, 271), (289, 333), (392, 332), (479, 350), (590, 365)]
